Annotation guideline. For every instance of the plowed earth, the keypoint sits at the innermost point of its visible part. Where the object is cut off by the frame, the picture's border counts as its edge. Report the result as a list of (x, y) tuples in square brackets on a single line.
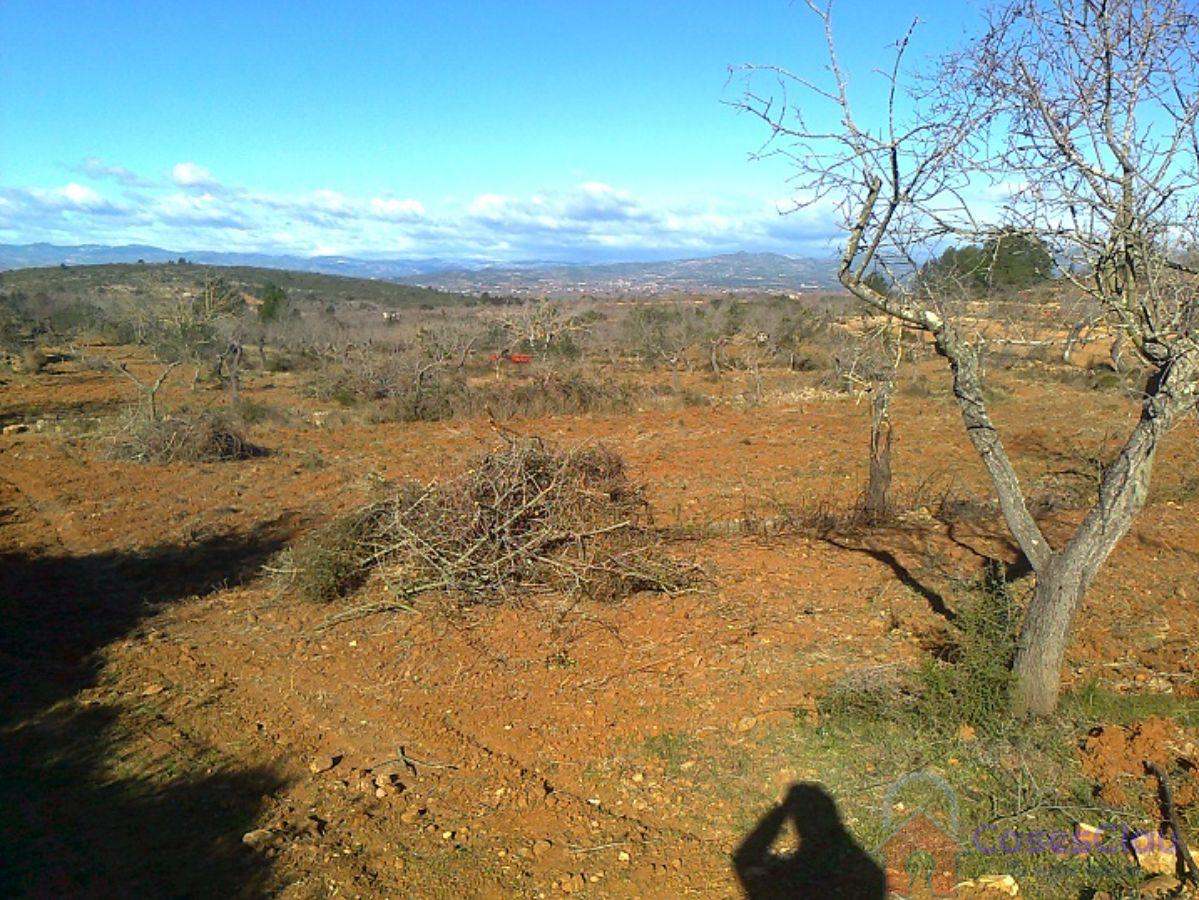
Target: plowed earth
[(164, 696)]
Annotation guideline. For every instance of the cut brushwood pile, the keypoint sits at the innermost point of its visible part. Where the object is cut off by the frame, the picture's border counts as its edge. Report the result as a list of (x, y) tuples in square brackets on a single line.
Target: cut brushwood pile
[(526, 518)]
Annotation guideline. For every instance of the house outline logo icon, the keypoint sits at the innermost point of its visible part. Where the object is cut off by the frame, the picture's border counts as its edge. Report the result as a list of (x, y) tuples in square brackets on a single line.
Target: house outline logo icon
[(920, 854)]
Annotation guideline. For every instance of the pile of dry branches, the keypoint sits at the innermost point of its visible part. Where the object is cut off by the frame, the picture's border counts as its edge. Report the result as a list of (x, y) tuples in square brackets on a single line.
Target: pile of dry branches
[(207, 436), (526, 518)]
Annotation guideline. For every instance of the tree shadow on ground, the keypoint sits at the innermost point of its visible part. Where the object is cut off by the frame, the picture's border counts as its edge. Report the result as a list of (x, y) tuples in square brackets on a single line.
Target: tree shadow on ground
[(828, 862), (935, 600), (105, 797)]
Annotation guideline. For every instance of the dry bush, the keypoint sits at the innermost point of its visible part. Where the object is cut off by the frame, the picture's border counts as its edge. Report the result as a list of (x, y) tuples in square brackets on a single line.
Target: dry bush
[(447, 393), (32, 360), (333, 560), (526, 518), (568, 392), (208, 436), (872, 692)]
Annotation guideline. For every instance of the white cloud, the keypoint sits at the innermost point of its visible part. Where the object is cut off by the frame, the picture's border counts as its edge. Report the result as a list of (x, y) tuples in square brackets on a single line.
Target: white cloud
[(70, 198), (591, 219), (204, 210), (99, 170), (80, 196), (190, 175), (399, 210)]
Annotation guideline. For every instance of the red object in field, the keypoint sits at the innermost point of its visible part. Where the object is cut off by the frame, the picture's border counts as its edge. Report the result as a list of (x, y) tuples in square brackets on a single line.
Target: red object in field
[(520, 359)]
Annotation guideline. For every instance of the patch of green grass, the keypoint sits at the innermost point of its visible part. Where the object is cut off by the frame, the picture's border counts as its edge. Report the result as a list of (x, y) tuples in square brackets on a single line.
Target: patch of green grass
[(1094, 704), (672, 748), (967, 683)]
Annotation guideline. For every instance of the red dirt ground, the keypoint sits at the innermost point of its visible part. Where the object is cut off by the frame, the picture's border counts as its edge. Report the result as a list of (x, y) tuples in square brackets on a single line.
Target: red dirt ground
[(612, 750)]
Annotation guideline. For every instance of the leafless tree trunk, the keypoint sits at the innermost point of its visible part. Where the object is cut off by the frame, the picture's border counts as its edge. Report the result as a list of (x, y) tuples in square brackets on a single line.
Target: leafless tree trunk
[(149, 391), (230, 368), (878, 486)]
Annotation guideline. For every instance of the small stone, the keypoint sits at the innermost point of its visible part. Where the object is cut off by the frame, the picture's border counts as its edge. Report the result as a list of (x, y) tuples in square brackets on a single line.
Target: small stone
[(541, 848), (638, 777), (747, 723), (1159, 885), (257, 838), (153, 689), (1156, 854), (410, 816), (323, 764), (623, 856), (989, 886), (16, 428), (1088, 835)]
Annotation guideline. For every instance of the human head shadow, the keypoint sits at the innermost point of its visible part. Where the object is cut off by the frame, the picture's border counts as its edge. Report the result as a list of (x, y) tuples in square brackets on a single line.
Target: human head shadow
[(84, 816), (828, 862)]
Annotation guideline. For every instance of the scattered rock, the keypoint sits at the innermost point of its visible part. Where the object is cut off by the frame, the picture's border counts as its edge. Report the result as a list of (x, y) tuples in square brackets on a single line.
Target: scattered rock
[(389, 783), (258, 838), (1156, 854), (323, 764), (988, 886), (747, 723), (1159, 885), (541, 848), (16, 428), (1089, 835), (572, 883), (153, 689), (411, 815)]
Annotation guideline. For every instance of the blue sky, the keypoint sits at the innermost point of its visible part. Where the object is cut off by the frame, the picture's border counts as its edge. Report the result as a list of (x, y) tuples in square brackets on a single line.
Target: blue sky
[(580, 130)]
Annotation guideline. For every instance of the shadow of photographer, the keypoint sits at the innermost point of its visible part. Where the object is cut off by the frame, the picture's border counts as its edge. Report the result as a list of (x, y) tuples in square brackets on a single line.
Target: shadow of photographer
[(828, 862)]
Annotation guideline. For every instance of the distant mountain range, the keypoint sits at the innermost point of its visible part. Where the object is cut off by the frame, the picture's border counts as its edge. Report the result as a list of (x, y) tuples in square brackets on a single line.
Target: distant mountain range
[(23, 256), (733, 271)]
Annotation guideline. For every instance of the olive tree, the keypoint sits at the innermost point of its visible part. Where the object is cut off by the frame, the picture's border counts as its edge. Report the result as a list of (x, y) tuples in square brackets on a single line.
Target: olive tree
[(1081, 116)]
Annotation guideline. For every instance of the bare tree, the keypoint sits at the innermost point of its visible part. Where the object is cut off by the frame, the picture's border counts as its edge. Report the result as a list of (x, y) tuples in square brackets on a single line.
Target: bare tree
[(1086, 111), (869, 367), (540, 325)]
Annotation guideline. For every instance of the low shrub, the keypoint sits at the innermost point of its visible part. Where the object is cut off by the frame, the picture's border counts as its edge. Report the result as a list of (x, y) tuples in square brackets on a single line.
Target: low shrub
[(972, 681), (33, 360), (333, 560), (967, 682)]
